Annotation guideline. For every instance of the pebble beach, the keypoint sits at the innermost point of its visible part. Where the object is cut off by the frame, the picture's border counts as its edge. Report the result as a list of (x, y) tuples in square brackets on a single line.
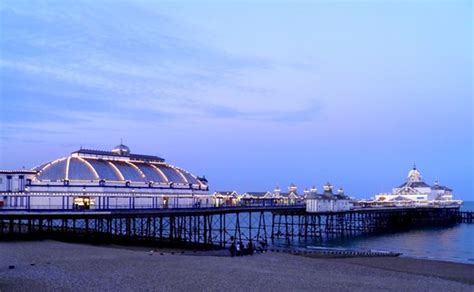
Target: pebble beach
[(58, 266)]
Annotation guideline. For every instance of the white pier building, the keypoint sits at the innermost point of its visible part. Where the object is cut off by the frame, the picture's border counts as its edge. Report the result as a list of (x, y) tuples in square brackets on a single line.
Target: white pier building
[(327, 201), (416, 192), (94, 179)]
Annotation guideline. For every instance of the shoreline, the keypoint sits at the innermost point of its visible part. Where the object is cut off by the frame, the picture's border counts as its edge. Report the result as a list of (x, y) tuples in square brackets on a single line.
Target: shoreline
[(53, 265)]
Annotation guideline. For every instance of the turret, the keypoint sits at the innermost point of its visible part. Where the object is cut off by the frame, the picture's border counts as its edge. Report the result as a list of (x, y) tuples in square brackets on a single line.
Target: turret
[(292, 188), (121, 150), (328, 188), (277, 191), (414, 175)]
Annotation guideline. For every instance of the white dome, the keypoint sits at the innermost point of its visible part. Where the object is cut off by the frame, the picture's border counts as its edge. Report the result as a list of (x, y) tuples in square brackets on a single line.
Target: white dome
[(414, 175), (121, 150)]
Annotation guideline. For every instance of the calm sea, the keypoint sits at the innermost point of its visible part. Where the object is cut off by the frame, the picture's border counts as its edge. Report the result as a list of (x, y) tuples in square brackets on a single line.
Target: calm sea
[(454, 244)]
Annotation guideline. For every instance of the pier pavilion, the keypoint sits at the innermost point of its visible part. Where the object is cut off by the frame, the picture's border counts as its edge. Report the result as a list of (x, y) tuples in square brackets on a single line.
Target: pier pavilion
[(415, 191), (327, 201), (97, 179)]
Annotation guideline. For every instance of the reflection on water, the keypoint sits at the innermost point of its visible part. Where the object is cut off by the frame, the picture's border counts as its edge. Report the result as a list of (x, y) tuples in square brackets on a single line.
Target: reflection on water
[(454, 243)]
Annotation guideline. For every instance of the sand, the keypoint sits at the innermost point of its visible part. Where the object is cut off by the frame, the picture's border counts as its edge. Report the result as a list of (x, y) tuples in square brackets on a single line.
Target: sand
[(53, 266)]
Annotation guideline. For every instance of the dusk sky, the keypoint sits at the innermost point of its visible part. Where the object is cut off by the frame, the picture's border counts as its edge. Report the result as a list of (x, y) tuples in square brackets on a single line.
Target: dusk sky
[(251, 95)]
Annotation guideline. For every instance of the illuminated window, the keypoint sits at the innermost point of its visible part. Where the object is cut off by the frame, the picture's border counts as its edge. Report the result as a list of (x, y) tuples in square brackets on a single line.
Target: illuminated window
[(83, 202)]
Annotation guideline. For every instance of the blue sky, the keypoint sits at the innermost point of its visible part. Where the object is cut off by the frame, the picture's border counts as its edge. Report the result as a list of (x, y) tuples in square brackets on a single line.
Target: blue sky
[(250, 94)]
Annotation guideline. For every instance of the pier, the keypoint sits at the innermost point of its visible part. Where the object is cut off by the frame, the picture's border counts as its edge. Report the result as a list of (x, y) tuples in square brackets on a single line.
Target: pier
[(217, 227)]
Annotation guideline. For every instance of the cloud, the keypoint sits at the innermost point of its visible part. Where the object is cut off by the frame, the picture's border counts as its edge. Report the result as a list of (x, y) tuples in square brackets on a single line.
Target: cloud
[(87, 68)]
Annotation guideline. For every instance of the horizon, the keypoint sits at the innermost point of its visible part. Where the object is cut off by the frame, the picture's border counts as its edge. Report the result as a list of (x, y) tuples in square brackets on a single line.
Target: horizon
[(250, 95)]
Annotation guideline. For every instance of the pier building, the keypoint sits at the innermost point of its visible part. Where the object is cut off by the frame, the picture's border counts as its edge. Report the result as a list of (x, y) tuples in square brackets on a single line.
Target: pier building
[(252, 198), (415, 191), (225, 198), (97, 179), (327, 201), (290, 197)]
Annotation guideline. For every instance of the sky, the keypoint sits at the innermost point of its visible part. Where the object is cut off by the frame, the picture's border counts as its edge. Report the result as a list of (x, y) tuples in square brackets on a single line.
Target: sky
[(251, 94)]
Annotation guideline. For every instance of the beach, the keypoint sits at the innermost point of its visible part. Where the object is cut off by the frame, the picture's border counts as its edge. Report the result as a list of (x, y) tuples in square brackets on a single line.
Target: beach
[(52, 265)]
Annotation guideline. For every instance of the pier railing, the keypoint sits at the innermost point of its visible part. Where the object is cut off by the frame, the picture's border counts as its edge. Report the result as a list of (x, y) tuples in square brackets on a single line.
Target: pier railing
[(126, 207)]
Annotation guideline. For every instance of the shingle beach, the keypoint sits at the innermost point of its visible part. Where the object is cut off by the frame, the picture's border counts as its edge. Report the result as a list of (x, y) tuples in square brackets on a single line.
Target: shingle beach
[(58, 266)]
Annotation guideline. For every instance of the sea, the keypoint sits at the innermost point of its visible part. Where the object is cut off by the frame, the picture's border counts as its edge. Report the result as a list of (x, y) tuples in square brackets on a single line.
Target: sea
[(454, 244)]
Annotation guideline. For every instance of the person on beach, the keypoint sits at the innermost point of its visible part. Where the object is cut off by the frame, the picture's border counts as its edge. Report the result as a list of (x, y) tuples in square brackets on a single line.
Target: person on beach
[(238, 250), (263, 245), (242, 248), (233, 250), (250, 248)]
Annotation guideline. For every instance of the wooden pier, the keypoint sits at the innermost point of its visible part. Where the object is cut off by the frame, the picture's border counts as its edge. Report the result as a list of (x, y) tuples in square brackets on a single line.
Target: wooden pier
[(217, 227)]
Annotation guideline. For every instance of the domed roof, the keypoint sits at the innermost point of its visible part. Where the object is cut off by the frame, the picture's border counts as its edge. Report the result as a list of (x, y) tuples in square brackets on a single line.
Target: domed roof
[(100, 166), (414, 175), (327, 187), (121, 149)]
